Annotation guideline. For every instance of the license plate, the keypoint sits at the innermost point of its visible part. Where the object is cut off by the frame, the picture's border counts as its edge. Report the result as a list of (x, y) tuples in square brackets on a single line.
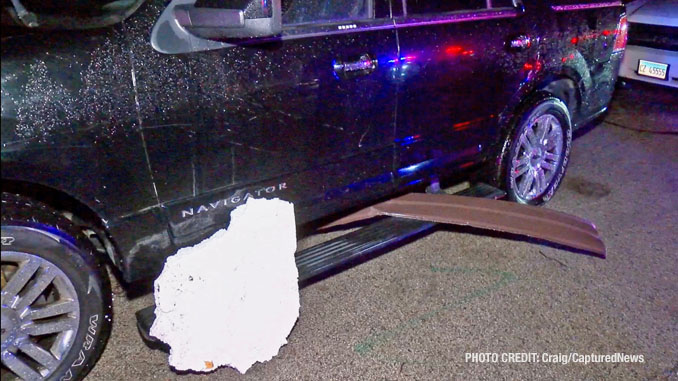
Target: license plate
[(653, 69)]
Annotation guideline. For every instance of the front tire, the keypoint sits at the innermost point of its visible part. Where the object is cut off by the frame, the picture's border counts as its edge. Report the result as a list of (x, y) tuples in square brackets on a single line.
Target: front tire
[(536, 154), (56, 310)]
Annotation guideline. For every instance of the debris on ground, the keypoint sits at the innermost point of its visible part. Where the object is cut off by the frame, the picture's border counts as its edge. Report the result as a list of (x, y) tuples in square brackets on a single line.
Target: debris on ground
[(232, 299)]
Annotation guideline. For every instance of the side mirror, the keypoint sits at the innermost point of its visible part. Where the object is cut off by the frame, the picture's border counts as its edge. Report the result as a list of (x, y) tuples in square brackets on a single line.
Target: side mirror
[(221, 21)]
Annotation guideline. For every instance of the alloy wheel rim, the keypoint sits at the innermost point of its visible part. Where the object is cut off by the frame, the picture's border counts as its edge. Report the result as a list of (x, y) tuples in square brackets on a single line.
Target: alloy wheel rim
[(40, 316), (537, 158)]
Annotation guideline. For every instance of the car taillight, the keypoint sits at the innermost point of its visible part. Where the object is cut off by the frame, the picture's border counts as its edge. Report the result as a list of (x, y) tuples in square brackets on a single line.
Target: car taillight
[(622, 34)]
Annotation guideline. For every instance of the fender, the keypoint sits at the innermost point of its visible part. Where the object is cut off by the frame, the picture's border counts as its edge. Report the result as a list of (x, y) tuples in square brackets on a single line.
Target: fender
[(70, 127), (569, 81)]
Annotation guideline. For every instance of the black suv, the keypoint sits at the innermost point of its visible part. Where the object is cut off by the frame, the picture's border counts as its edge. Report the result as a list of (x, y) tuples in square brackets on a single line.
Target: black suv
[(132, 128)]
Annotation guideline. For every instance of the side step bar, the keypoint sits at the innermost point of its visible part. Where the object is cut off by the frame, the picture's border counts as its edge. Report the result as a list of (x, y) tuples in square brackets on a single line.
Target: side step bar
[(322, 258)]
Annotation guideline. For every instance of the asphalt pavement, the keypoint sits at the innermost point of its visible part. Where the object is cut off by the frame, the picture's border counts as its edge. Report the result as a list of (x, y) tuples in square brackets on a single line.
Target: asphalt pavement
[(422, 311)]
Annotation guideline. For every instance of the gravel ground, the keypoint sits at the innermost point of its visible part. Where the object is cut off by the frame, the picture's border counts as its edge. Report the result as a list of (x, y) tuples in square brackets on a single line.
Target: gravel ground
[(416, 312)]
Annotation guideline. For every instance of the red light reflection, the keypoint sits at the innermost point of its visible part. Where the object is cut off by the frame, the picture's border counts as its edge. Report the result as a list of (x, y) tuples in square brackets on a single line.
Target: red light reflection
[(456, 50)]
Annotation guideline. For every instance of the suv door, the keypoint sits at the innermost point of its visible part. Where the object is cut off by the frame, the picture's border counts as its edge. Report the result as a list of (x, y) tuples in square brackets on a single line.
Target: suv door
[(308, 117), (458, 74)]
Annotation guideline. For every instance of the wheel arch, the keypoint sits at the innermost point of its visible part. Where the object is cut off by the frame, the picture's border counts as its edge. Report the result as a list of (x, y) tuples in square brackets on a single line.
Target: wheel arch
[(566, 86), (71, 208), (565, 89)]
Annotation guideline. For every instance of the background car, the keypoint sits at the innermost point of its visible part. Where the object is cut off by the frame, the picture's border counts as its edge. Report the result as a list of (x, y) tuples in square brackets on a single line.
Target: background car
[(652, 50)]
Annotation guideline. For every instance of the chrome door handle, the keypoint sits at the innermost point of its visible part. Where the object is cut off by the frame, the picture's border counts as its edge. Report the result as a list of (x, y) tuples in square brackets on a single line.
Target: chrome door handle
[(362, 66)]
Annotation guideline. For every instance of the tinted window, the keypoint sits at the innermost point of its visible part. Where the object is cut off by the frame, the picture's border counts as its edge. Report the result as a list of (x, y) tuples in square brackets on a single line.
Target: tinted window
[(441, 6), (304, 11)]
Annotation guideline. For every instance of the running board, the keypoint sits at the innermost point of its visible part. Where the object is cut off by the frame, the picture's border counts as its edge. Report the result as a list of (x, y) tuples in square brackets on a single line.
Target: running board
[(322, 258)]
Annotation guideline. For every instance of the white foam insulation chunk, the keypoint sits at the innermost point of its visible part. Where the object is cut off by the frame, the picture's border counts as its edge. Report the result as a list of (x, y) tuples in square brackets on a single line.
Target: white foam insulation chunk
[(233, 298)]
